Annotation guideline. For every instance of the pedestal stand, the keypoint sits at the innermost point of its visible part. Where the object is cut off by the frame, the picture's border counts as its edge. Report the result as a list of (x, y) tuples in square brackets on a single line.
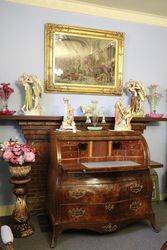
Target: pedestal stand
[(22, 226)]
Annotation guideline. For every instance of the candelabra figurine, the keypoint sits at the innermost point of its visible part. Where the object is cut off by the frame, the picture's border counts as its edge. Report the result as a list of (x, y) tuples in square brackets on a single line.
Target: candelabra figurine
[(68, 120), (154, 98)]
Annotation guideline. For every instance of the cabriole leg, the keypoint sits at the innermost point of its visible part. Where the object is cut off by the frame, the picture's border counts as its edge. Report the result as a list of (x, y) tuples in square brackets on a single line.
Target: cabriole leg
[(55, 234), (153, 223)]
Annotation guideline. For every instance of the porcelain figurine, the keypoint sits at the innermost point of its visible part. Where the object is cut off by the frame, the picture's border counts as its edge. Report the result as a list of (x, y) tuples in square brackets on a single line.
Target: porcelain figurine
[(33, 92), (89, 110), (138, 95), (123, 116), (68, 119)]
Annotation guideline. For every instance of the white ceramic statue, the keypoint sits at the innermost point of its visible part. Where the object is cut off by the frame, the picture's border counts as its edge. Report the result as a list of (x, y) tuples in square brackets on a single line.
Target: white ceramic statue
[(68, 120), (33, 91), (123, 116)]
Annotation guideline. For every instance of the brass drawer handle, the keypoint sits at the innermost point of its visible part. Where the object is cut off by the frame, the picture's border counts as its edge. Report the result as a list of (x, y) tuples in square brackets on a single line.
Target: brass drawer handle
[(110, 228), (77, 194), (136, 188), (135, 205), (76, 212), (109, 207)]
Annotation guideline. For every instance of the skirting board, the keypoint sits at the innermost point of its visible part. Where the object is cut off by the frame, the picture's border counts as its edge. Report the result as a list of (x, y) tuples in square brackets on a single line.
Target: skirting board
[(7, 210), (163, 196)]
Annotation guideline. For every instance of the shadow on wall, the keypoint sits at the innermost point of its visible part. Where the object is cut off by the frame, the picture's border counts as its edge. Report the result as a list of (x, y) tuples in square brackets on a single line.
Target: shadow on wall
[(6, 194), (10, 129)]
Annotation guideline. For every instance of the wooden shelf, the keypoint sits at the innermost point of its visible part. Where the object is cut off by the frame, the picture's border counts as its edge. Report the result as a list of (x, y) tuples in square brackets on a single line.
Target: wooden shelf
[(77, 118)]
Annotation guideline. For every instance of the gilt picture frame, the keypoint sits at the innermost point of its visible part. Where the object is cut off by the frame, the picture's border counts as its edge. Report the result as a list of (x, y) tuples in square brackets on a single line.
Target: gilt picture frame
[(82, 60)]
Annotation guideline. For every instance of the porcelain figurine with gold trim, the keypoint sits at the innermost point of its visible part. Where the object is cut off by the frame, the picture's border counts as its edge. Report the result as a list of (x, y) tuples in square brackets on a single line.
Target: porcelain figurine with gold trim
[(68, 120), (33, 92), (123, 116), (138, 95)]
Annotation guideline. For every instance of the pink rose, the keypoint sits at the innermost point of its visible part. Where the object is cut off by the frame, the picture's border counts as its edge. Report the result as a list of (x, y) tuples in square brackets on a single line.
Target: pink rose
[(25, 149), (17, 150), (29, 156), (20, 159), (7, 155), (14, 160)]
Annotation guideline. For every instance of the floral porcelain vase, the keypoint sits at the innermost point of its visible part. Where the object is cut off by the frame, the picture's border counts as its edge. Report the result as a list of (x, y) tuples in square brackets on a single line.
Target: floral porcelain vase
[(5, 92), (154, 98)]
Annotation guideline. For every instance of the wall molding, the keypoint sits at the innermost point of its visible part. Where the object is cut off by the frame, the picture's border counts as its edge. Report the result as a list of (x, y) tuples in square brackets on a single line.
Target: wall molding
[(97, 10), (6, 210)]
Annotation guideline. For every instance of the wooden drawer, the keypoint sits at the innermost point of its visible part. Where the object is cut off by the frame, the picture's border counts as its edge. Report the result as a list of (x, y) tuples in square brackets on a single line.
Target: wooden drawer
[(105, 212), (90, 193), (69, 143), (69, 154), (103, 192), (70, 149)]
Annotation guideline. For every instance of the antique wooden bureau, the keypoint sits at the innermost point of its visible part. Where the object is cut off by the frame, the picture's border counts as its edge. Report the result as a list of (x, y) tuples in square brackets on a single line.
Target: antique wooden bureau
[(98, 181)]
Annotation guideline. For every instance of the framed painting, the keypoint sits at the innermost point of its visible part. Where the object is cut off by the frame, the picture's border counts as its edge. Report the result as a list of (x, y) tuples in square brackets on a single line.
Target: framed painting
[(81, 60)]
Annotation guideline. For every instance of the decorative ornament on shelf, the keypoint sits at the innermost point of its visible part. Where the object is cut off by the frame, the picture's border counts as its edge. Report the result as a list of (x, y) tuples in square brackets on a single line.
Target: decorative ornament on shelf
[(20, 157), (5, 92), (154, 98), (103, 114), (33, 92), (138, 96), (123, 116), (68, 119), (90, 111)]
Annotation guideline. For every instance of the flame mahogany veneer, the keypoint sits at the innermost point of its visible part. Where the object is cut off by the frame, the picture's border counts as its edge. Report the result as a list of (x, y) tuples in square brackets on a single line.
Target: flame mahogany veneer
[(103, 198)]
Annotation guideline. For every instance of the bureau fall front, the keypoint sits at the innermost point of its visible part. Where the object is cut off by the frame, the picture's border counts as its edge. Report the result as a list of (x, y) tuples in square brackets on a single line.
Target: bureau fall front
[(98, 181)]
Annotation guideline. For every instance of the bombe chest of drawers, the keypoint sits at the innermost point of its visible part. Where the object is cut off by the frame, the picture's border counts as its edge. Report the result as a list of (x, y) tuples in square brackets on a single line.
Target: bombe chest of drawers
[(98, 181)]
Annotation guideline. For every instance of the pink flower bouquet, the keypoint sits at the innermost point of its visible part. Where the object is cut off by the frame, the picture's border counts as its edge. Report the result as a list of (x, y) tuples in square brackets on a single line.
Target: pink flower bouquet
[(17, 153)]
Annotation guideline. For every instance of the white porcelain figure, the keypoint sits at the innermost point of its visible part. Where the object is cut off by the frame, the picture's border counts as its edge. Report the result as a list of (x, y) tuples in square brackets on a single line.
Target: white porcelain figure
[(123, 116), (33, 91), (68, 119)]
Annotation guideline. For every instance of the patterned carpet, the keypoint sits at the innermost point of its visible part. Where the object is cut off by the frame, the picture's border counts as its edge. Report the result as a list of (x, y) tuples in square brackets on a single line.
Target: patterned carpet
[(138, 236)]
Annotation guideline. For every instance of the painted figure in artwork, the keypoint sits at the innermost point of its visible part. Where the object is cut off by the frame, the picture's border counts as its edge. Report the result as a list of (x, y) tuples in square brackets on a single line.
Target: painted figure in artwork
[(33, 91), (123, 116), (138, 95)]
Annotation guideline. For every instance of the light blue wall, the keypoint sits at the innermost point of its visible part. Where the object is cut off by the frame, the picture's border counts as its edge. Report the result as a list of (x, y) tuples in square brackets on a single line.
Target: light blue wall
[(22, 50)]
